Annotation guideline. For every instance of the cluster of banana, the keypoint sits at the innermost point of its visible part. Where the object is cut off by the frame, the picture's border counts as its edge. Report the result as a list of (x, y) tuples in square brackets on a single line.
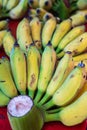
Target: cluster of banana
[(14, 9), (57, 88)]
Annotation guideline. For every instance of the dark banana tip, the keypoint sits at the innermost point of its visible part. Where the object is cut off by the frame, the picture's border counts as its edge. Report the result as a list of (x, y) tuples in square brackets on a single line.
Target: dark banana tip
[(8, 20), (49, 43), (3, 57), (86, 16), (16, 44), (46, 3), (38, 11), (31, 1), (47, 17), (8, 30), (69, 52), (32, 44), (81, 64)]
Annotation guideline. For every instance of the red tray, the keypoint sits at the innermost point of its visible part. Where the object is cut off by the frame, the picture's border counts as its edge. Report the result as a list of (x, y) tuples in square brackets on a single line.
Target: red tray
[(4, 123)]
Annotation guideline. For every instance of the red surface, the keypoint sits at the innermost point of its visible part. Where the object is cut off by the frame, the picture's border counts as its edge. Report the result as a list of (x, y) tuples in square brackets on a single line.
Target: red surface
[(4, 123)]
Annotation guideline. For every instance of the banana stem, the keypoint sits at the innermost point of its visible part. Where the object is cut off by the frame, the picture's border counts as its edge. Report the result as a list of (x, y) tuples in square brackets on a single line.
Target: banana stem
[(51, 117), (38, 96), (48, 105), (44, 99), (31, 94)]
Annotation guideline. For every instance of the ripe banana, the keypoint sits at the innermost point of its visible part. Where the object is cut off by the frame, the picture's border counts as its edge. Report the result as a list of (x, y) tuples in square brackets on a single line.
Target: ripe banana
[(45, 4), (46, 71), (77, 112), (4, 24), (63, 28), (63, 69), (33, 67), (8, 42), (24, 34), (48, 30), (71, 35), (36, 28), (2, 34), (34, 3), (7, 85), (80, 57), (70, 88), (78, 45), (4, 100), (12, 4), (20, 10), (78, 19), (18, 65)]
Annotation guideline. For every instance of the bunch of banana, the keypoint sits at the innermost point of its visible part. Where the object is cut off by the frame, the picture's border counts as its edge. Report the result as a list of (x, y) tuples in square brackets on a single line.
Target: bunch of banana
[(15, 9), (62, 70)]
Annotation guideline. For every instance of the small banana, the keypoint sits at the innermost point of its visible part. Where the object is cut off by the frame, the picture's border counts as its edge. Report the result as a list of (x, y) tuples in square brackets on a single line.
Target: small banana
[(82, 4), (2, 34), (48, 30), (36, 28), (40, 12), (45, 4), (79, 18), (18, 65), (46, 71), (24, 34), (78, 45), (34, 3), (4, 100), (12, 4), (32, 12), (71, 35), (77, 112), (70, 88), (8, 42), (63, 28), (7, 85), (4, 24), (33, 66), (63, 69), (20, 10)]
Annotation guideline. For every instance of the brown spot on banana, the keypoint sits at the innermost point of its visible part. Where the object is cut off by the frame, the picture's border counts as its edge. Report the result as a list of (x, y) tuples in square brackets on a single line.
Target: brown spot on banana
[(32, 79)]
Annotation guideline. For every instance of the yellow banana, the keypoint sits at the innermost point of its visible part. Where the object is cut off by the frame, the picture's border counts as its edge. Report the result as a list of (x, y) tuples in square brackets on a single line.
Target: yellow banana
[(4, 100), (18, 65), (36, 28), (40, 12), (11, 4), (63, 68), (19, 11), (48, 30), (8, 42), (78, 18), (4, 24), (7, 85), (77, 112), (71, 35), (70, 88), (32, 12), (45, 4), (78, 45), (80, 57), (46, 71), (2, 34), (34, 3), (24, 34), (33, 66), (63, 28)]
